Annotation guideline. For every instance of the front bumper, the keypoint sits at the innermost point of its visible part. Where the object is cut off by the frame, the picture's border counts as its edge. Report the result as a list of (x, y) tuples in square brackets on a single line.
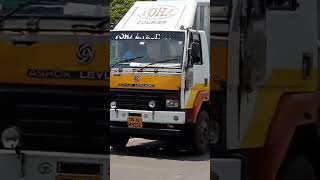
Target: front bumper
[(145, 132), (156, 117), (157, 124), (38, 165)]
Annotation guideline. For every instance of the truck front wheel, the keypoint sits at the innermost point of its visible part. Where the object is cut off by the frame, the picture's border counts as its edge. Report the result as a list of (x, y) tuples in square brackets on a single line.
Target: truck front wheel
[(201, 134), (119, 142)]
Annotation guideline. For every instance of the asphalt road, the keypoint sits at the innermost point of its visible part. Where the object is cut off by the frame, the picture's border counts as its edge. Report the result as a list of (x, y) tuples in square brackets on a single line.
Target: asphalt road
[(155, 160)]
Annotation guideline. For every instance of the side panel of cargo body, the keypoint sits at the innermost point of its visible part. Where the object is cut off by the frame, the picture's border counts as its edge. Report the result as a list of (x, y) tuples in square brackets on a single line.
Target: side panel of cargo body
[(202, 18)]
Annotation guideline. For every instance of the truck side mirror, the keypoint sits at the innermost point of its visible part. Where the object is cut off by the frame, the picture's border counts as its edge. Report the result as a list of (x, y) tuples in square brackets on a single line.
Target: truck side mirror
[(195, 53)]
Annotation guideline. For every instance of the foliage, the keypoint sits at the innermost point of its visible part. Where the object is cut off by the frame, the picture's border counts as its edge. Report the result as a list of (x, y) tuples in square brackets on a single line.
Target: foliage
[(118, 8)]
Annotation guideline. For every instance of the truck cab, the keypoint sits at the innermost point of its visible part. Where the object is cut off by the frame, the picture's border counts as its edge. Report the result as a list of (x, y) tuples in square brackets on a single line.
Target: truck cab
[(159, 78)]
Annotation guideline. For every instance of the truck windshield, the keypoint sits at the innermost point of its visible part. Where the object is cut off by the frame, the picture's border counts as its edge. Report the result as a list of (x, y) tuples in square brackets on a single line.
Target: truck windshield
[(55, 9), (138, 49)]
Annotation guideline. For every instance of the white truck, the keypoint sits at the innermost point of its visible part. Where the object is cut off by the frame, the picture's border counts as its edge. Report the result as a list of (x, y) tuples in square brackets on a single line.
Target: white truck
[(159, 79)]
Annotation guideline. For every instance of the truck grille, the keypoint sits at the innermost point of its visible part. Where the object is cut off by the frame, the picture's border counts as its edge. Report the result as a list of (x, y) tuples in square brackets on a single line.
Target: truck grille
[(58, 120), (139, 99)]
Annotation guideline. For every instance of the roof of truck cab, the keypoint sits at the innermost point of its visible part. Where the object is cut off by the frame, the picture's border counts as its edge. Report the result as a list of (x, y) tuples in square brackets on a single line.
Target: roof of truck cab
[(159, 15)]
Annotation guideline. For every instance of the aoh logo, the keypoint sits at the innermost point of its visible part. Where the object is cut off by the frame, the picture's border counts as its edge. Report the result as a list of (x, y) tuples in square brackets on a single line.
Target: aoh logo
[(85, 53), (158, 12)]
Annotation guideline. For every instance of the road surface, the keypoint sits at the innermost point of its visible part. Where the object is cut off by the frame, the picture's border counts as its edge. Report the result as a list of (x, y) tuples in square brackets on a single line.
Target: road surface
[(154, 160)]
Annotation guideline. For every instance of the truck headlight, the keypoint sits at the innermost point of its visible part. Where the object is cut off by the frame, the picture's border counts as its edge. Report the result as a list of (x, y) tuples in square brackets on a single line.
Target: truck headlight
[(152, 104), (113, 105), (172, 103), (10, 138)]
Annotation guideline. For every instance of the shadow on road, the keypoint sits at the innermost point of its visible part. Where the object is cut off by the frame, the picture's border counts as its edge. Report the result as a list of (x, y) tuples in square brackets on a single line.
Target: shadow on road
[(159, 150)]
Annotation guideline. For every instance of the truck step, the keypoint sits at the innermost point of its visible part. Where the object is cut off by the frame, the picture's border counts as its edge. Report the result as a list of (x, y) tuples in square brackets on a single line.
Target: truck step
[(219, 12), (219, 21), (219, 2), (219, 29)]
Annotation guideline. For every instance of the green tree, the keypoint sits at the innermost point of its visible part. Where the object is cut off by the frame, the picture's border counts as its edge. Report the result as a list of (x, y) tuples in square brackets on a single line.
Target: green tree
[(118, 8)]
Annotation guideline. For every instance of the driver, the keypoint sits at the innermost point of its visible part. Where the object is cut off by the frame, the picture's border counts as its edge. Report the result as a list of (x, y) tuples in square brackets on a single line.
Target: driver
[(134, 50)]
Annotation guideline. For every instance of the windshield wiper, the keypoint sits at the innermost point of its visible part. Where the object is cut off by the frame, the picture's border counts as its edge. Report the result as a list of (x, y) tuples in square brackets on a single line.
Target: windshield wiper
[(17, 9), (162, 61), (126, 60)]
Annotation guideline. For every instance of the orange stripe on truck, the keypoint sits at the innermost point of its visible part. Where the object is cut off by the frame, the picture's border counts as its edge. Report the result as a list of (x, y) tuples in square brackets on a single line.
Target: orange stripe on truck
[(202, 96)]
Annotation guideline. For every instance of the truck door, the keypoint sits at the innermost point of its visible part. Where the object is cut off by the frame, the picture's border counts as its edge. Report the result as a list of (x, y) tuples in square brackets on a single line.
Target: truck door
[(197, 73)]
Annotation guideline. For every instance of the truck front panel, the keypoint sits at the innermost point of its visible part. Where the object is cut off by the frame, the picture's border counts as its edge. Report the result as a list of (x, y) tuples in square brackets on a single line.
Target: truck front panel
[(170, 81)]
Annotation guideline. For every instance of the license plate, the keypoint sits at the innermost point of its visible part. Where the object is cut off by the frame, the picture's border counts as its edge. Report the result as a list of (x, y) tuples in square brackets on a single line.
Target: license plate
[(79, 178), (135, 122)]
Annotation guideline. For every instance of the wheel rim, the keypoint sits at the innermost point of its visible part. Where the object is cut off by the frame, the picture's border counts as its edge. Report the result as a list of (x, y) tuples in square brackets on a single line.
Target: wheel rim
[(204, 134), (215, 132)]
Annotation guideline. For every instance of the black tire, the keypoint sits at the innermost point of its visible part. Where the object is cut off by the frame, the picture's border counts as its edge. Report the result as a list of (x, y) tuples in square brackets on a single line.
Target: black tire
[(200, 139), (119, 142), (215, 132), (298, 167)]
